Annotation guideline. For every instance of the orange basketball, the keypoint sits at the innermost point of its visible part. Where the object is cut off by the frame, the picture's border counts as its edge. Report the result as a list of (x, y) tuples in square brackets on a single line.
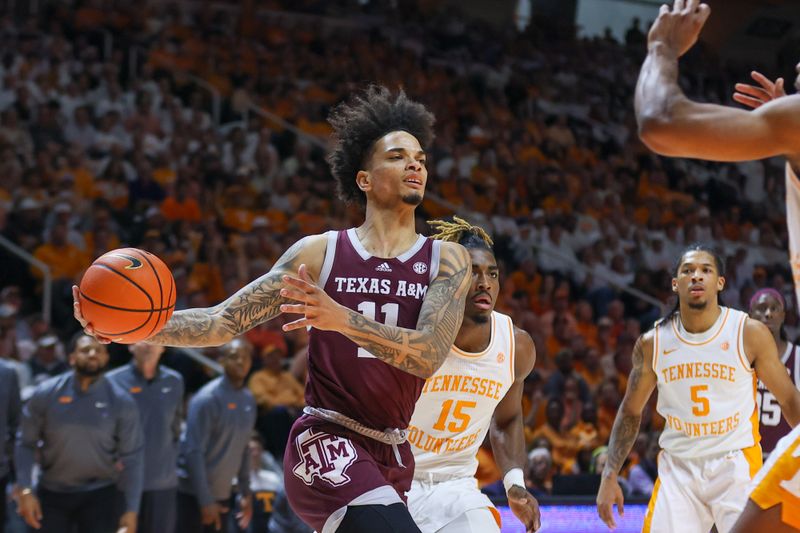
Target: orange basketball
[(127, 295)]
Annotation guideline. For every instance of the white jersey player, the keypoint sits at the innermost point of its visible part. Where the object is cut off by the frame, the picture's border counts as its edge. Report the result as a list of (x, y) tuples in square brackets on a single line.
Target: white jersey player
[(705, 361), (477, 390), (774, 503)]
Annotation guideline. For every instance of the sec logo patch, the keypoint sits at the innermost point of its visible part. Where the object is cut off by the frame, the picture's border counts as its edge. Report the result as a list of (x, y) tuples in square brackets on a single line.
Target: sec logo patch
[(501, 357), (420, 267)]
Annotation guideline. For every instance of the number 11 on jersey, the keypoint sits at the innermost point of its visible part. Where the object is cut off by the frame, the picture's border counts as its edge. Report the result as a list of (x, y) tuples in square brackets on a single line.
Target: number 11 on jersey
[(390, 312)]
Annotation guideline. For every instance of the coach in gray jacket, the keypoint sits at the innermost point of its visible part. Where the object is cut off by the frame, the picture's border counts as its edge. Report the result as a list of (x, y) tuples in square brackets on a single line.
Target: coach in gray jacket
[(214, 448), (158, 392), (87, 432)]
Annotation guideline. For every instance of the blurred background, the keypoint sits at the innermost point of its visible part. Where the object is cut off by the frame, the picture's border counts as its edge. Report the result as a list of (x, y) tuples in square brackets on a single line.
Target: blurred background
[(196, 130)]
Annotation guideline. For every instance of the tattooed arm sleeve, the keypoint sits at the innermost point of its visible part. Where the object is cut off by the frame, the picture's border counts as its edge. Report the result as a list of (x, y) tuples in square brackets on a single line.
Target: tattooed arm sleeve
[(421, 351), (255, 303), (641, 382)]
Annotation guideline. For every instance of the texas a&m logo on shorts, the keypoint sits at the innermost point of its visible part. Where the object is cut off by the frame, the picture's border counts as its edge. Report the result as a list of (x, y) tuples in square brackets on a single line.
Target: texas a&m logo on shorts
[(325, 456)]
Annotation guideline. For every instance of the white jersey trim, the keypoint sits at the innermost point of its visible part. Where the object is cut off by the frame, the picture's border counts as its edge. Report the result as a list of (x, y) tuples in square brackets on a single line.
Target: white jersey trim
[(436, 255), (356, 242), (330, 255), (408, 254), (787, 352), (365, 255)]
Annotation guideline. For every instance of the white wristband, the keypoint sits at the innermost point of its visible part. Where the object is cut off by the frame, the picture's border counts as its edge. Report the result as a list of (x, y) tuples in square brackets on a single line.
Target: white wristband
[(514, 477)]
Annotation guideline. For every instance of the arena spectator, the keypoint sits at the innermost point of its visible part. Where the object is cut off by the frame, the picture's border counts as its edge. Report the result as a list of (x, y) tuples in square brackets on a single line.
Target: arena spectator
[(279, 396), (45, 362)]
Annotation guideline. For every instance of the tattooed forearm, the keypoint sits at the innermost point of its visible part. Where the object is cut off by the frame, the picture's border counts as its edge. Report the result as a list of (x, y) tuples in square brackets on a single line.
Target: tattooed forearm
[(626, 424), (623, 435), (257, 302), (423, 350)]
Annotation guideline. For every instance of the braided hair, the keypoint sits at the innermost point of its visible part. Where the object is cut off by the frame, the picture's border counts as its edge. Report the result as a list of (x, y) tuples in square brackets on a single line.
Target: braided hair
[(462, 232)]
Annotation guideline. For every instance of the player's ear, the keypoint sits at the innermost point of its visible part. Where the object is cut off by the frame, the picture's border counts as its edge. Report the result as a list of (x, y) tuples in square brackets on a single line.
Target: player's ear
[(674, 285), (364, 180), (720, 283)]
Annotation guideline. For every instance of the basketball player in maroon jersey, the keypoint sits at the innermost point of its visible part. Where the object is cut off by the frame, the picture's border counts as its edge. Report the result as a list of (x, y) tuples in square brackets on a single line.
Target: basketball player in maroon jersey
[(768, 306), (383, 305)]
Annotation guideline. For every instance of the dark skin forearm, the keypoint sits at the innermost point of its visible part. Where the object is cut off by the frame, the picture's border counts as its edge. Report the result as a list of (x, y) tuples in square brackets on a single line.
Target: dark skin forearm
[(508, 443), (629, 416), (623, 436), (657, 89)]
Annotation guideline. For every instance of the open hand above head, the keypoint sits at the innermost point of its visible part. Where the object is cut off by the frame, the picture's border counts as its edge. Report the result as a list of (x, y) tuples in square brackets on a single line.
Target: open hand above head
[(678, 27)]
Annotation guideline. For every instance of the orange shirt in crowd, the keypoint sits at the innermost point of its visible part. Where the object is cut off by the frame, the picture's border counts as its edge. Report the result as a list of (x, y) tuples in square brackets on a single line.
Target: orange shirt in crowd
[(272, 389), (207, 278), (65, 262), (188, 209), (238, 218), (488, 471), (565, 445)]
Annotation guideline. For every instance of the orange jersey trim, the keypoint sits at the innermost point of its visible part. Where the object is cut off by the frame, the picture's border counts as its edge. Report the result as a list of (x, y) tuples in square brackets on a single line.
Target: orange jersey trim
[(655, 350), (740, 347), (470, 355), (496, 515), (513, 354), (754, 454), (774, 488), (651, 507), (690, 343)]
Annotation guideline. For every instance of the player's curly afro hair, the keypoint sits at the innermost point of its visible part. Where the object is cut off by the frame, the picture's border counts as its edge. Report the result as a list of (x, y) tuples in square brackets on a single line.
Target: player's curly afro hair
[(358, 124)]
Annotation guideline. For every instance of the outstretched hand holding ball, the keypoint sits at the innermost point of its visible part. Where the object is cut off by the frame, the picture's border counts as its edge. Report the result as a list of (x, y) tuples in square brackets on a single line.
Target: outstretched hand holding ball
[(125, 296)]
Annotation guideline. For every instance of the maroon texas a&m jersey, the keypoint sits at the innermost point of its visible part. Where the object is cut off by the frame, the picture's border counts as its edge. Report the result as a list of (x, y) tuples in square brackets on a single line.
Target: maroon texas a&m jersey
[(772, 425), (341, 375)]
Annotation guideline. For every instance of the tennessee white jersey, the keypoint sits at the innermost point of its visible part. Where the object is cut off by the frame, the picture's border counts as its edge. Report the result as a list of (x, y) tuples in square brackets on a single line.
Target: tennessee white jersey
[(706, 388), (453, 414)]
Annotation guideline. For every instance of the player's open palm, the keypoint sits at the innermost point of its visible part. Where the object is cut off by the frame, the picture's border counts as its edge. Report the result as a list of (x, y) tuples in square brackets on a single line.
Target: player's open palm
[(318, 309), (525, 507), (757, 95), (678, 27), (76, 312), (609, 494)]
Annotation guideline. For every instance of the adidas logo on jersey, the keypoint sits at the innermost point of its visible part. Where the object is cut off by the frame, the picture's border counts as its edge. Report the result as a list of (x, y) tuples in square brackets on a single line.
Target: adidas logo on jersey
[(383, 267)]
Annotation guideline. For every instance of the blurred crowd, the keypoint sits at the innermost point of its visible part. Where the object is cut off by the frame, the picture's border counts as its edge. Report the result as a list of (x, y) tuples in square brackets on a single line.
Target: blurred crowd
[(536, 142)]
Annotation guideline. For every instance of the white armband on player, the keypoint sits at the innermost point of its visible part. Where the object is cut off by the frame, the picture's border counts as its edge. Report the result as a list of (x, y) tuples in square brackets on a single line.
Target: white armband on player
[(514, 477)]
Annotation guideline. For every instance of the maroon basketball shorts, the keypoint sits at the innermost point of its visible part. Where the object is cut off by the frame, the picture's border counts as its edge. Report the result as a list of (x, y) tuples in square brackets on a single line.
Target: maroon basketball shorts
[(328, 467)]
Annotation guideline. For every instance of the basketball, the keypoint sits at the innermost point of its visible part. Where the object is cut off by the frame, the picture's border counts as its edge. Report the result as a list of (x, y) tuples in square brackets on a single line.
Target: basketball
[(127, 295)]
